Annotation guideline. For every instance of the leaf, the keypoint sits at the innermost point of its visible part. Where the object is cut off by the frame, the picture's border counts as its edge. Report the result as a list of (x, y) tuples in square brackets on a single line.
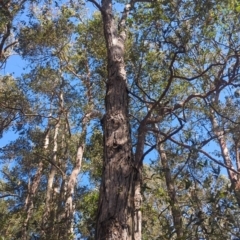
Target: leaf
[(238, 9)]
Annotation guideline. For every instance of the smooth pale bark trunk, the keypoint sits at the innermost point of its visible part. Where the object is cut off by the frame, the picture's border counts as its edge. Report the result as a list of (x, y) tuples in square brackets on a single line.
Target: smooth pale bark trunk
[(48, 215), (61, 228), (237, 153), (66, 229), (65, 213), (32, 190), (138, 163), (66, 209), (70, 183), (235, 180), (116, 211), (176, 211)]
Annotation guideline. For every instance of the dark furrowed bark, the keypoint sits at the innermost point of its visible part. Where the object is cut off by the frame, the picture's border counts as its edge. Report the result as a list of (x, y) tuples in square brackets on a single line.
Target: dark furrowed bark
[(116, 205), (116, 212)]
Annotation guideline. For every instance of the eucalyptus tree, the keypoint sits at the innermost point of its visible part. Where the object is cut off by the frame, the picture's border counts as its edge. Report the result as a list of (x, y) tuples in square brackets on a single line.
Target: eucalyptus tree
[(224, 128), (207, 206), (175, 46), (14, 105), (8, 27), (62, 106), (225, 80), (57, 221)]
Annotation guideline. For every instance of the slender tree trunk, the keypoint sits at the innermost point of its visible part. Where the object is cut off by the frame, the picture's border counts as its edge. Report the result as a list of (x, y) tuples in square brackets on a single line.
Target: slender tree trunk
[(235, 180), (237, 154), (48, 218), (70, 184), (29, 205), (176, 211), (66, 217), (116, 210), (237, 183), (50, 211)]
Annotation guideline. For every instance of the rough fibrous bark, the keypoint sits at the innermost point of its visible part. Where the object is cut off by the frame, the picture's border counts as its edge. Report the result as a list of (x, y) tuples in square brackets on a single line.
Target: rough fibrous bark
[(118, 202)]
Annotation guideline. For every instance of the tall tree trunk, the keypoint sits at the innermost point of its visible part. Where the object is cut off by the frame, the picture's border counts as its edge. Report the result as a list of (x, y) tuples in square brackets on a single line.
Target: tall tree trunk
[(65, 213), (235, 180), (176, 211), (66, 229), (29, 202), (49, 215), (237, 154), (116, 214), (48, 218)]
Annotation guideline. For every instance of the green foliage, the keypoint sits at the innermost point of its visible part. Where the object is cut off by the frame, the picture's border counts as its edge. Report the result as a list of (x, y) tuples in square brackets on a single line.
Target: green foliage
[(12, 104), (179, 57), (94, 156), (88, 207)]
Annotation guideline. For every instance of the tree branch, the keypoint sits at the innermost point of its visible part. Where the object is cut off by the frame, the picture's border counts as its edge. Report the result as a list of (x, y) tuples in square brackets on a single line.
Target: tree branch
[(201, 151), (9, 195), (96, 5)]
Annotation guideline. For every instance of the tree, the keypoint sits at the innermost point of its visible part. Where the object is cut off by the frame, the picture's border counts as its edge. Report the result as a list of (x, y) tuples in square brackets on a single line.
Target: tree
[(158, 68), (51, 95), (9, 10), (111, 223), (118, 213)]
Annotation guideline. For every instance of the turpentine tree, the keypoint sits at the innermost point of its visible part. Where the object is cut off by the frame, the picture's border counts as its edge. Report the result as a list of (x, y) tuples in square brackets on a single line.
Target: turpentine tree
[(184, 49)]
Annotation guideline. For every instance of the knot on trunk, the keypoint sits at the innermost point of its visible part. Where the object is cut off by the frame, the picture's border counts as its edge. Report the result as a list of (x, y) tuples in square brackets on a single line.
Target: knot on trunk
[(117, 50)]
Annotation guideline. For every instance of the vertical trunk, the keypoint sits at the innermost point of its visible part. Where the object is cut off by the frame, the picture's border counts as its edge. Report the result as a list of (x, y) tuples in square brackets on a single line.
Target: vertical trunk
[(235, 181), (48, 218), (67, 218), (49, 215), (138, 181), (29, 205), (115, 218), (69, 207), (237, 153), (66, 210), (61, 230), (176, 212)]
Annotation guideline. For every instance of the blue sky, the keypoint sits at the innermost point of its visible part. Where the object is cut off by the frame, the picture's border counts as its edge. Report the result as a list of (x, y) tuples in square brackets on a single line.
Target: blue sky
[(14, 66)]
